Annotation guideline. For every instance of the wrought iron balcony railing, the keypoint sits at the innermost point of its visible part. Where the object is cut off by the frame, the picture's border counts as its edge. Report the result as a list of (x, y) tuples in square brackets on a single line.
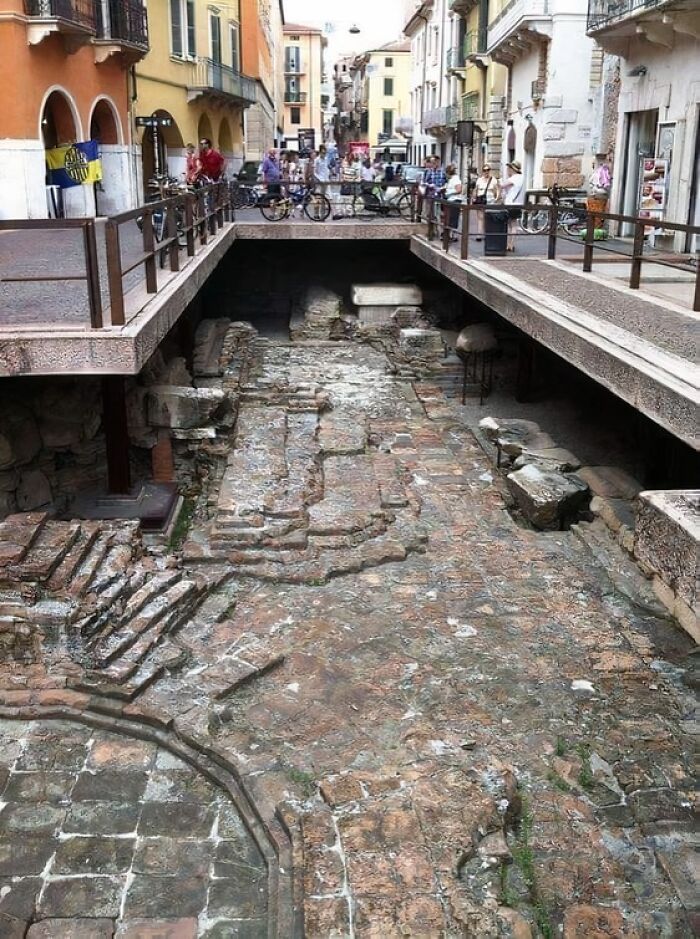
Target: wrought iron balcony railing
[(455, 57), (211, 76), (604, 12), (295, 97), (126, 21), (77, 12)]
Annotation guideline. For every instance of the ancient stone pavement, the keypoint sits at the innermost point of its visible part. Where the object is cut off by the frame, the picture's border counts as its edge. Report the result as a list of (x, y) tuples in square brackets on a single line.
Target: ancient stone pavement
[(361, 701)]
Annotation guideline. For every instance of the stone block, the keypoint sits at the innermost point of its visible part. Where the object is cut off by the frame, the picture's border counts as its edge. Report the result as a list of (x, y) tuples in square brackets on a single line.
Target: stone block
[(567, 180), (72, 929), (386, 295), (60, 434), (562, 148), (553, 101), (611, 482), (546, 498), (176, 373), (561, 165), (172, 406), (19, 436), (554, 458), (563, 116), (33, 491), (667, 533), (554, 131), (477, 338)]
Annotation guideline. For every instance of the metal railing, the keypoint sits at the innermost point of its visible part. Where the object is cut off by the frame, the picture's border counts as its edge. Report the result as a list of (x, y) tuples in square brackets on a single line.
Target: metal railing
[(452, 223), (126, 21), (456, 57), (92, 270), (202, 214), (295, 97), (603, 12), (79, 12), (215, 76)]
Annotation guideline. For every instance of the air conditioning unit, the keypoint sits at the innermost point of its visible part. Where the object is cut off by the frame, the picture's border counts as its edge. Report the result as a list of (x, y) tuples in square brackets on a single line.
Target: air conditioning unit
[(537, 89)]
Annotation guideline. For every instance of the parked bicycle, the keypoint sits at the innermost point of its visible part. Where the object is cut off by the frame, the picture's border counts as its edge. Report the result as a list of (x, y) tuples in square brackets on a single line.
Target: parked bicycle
[(277, 206), (245, 196), (377, 201), (571, 217)]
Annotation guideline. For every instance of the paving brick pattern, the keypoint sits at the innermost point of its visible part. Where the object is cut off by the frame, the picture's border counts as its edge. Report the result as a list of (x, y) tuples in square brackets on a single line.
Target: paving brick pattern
[(480, 737), (121, 835)]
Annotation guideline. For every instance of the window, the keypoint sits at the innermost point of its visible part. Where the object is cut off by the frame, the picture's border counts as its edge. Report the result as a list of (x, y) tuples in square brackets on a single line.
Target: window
[(235, 47), (182, 32), (389, 86), (295, 115), (387, 122), (388, 63), (292, 59), (215, 36)]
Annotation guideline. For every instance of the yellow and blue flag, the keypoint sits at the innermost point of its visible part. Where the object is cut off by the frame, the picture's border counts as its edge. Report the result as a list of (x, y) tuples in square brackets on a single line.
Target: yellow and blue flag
[(77, 164)]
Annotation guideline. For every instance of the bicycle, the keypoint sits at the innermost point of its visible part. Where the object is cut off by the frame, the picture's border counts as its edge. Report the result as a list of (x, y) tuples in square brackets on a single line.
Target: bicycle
[(372, 201), (278, 206), (571, 218), (244, 196)]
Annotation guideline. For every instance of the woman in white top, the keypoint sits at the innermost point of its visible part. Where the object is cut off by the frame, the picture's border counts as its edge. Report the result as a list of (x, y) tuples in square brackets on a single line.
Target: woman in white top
[(453, 196), (513, 192), (486, 192)]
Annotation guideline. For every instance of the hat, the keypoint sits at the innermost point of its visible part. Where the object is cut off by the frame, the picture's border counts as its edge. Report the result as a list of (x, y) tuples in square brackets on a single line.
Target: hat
[(515, 165)]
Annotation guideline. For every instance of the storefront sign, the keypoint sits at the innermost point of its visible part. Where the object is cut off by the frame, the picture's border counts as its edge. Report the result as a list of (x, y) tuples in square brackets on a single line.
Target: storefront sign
[(154, 121), (653, 188)]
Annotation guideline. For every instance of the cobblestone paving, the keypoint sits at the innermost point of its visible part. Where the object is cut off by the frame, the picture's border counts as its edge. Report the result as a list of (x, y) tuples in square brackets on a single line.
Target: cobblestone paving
[(479, 736), (120, 837)]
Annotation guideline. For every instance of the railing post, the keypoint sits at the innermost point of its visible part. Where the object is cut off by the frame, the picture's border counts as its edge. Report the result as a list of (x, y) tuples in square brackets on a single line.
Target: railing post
[(220, 204), (204, 224), (588, 250), (148, 248), (446, 233), (173, 254), (92, 271), (464, 244), (431, 219), (114, 273), (189, 223), (552, 239), (637, 250)]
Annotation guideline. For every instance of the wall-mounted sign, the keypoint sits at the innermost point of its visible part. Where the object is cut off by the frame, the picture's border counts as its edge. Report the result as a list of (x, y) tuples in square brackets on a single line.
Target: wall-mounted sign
[(653, 187), (154, 121)]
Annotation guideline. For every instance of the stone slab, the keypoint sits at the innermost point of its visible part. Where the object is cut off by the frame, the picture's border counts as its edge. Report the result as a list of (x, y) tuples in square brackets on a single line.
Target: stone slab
[(667, 538), (546, 498), (384, 295)]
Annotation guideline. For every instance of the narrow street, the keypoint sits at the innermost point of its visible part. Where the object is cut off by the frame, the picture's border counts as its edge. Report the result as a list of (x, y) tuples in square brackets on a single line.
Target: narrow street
[(464, 727)]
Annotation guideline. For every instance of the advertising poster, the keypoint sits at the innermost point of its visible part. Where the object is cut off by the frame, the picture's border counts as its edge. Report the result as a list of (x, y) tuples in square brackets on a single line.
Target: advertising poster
[(653, 188)]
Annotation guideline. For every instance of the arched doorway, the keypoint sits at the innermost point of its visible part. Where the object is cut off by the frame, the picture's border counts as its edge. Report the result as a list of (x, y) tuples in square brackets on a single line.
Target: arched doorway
[(59, 123), (113, 194), (163, 149), (103, 123), (225, 139), (204, 129)]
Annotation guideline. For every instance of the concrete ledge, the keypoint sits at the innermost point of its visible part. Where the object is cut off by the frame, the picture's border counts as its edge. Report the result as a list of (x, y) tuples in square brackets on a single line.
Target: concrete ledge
[(661, 385)]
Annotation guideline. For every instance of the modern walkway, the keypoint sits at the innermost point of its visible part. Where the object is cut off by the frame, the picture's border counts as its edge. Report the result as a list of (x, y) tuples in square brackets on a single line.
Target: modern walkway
[(465, 727)]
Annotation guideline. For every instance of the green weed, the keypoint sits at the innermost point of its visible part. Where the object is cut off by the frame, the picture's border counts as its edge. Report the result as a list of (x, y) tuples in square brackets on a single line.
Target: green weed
[(182, 525), (304, 780), (585, 777)]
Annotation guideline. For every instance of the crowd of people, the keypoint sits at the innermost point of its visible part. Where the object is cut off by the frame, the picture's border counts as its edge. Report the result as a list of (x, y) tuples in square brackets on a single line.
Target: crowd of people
[(205, 164)]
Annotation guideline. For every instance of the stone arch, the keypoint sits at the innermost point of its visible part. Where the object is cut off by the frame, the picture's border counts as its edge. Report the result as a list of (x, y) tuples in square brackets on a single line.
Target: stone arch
[(59, 119), (105, 124), (225, 138), (204, 128)]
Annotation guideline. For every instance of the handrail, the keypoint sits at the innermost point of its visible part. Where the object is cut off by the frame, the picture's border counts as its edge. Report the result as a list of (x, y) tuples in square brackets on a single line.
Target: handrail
[(438, 219), (92, 269)]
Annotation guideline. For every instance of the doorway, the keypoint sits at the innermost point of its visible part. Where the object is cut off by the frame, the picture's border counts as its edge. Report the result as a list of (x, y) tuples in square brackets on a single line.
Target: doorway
[(640, 141)]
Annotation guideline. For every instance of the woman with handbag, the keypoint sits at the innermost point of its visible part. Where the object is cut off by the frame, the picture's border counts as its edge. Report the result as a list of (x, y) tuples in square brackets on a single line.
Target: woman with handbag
[(486, 192)]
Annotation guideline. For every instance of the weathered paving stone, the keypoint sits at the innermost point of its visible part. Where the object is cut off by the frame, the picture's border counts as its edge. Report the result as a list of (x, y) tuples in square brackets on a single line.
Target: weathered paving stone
[(72, 929), (38, 787), (168, 856), (30, 819), (17, 905), (102, 818), (98, 855), (110, 786), (239, 898), (166, 928), (158, 896), (176, 819), (28, 855), (77, 896)]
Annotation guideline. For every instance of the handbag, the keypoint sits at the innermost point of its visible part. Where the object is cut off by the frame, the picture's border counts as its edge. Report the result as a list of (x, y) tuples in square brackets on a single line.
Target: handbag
[(480, 200)]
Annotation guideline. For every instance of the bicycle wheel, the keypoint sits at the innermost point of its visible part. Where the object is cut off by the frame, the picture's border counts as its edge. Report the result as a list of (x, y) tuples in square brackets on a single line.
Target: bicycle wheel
[(366, 205), (317, 207), (573, 222), (534, 222), (404, 206), (240, 197), (274, 208)]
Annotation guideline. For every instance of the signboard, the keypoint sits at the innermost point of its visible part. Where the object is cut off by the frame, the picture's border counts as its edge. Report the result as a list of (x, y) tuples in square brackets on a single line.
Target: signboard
[(653, 188), (359, 147), (154, 121), (307, 138)]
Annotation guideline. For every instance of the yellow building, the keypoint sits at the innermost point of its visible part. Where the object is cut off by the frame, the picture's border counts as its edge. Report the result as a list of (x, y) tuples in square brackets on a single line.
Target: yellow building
[(387, 91), (303, 79), (191, 78)]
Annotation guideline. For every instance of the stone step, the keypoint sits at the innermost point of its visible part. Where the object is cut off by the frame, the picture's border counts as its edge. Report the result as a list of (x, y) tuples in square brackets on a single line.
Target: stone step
[(164, 610), (47, 551), (164, 657), (69, 567), (117, 559), (90, 565), (104, 616), (17, 535), (152, 587)]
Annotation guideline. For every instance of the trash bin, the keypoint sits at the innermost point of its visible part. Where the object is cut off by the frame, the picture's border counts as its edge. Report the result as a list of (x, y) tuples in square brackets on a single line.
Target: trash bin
[(495, 232)]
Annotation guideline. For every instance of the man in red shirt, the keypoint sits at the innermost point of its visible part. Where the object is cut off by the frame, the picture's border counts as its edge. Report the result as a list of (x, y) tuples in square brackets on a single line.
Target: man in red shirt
[(210, 160)]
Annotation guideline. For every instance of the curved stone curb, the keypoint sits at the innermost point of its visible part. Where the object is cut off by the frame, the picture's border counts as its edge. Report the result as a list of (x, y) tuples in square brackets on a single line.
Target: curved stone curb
[(274, 834)]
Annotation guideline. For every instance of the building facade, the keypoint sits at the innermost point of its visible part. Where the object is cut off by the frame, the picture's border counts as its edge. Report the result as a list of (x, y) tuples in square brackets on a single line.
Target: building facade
[(387, 91), (656, 153), (261, 48), (67, 80), (303, 86)]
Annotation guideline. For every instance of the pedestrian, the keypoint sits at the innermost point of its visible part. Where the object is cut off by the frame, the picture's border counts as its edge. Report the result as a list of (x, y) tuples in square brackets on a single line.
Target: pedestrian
[(486, 192), (350, 176), (513, 192), (389, 171), (453, 197), (271, 172), (435, 181), (211, 162), (423, 186), (322, 172), (192, 164)]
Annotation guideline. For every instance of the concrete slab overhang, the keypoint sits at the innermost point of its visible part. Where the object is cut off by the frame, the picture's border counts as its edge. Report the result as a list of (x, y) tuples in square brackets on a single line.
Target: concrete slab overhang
[(661, 385)]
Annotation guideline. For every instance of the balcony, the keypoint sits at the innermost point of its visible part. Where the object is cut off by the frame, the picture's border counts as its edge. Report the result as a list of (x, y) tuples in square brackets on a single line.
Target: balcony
[(519, 27), (295, 97), (122, 28), (462, 6), (455, 59), (294, 68), (441, 119), (655, 20), (471, 106), (75, 20), (221, 83)]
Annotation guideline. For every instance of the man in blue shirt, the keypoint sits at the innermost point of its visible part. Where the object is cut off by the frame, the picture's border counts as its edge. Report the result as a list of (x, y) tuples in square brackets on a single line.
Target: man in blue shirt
[(434, 181), (271, 172)]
